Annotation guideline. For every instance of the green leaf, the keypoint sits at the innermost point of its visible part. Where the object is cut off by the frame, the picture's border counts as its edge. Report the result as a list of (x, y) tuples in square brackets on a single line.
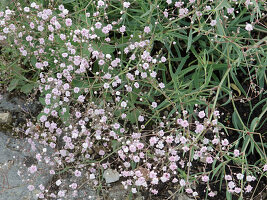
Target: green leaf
[(133, 165), (236, 121), (216, 169), (68, 1), (99, 33), (228, 195), (27, 88), (65, 116), (13, 84), (132, 116), (33, 60), (107, 49), (254, 124), (189, 43), (223, 4), (115, 144), (184, 59), (219, 25)]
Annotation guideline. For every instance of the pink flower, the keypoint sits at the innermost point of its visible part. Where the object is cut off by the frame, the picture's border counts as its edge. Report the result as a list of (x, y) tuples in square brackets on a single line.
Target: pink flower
[(240, 176), (31, 187), (32, 169), (161, 85), (231, 184), (213, 22), (201, 114), (77, 173), (189, 191), (147, 29), (184, 123), (154, 191), (169, 1), (225, 142), (154, 105), (183, 140), (182, 182), (155, 181), (81, 98), (122, 29), (205, 178), (250, 178), (236, 152), (73, 186), (29, 38), (98, 25), (136, 158), (132, 148), (163, 59), (211, 194), (237, 190), (248, 188), (134, 190), (216, 113), (126, 4), (153, 141), (101, 152), (123, 104), (173, 166), (199, 128), (249, 27), (141, 118), (175, 180), (43, 118), (68, 22), (165, 177), (100, 3), (209, 160), (230, 10), (228, 177), (61, 193), (26, 9)]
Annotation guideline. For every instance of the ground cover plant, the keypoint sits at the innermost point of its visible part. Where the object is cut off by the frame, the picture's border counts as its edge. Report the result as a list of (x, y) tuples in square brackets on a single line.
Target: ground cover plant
[(169, 94)]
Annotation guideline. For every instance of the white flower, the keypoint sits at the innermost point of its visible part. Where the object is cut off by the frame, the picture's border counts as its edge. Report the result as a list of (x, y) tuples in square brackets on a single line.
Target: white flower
[(231, 184), (213, 22), (126, 4), (249, 27), (201, 114), (239, 176), (58, 182), (154, 105), (123, 104), (169, 1), (147, 29), (182, 182)]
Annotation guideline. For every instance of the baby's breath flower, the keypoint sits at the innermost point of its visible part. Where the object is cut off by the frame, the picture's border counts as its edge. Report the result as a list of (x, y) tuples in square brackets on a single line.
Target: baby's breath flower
[(147, 29), (249, 27)]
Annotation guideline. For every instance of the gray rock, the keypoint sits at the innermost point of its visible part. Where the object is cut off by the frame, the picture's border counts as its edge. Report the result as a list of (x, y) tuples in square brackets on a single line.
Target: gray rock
[(5, 118), (117, 192), (111, 175), (13, 103), (85, 191), (15, 156), (182, 197)]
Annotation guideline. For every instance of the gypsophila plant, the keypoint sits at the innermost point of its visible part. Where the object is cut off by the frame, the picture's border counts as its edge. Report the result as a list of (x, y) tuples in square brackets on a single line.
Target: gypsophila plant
[(136, 86)]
